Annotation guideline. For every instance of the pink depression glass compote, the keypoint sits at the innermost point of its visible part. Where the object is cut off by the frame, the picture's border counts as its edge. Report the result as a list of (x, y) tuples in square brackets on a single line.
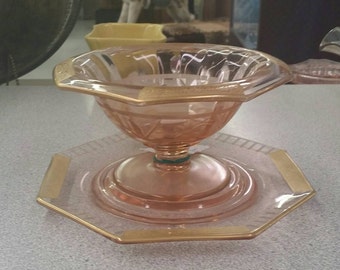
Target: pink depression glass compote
[(170, 97)]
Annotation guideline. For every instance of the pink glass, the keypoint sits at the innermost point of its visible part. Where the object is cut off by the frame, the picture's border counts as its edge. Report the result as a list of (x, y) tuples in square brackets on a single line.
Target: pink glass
[(170, 97)]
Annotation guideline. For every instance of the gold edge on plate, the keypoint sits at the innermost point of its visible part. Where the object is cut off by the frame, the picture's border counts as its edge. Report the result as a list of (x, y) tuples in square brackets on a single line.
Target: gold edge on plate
[(290, 172), (296, 181), (301, 201), (77, 219), (51, 187), (54, 176), (160, 235), (183, 234)]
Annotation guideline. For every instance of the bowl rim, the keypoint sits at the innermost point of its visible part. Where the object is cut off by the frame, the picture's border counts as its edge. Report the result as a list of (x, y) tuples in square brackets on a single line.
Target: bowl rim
[(64, 75)]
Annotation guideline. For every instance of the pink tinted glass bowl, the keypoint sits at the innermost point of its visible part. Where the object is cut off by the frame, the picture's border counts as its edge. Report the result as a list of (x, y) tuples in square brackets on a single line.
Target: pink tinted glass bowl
[(170, 97)]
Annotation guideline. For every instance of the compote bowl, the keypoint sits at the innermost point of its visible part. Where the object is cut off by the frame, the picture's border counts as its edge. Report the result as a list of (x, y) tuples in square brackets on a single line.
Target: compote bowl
[(170, 97)]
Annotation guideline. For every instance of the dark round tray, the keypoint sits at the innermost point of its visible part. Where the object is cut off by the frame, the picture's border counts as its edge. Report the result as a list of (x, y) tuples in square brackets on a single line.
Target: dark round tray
[(31, 31)]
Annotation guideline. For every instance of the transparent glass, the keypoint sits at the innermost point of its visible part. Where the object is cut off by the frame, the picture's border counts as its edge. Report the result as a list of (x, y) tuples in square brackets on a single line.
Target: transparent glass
[(316, 71), (70, 184), (331, 42), (320, 71), (170, 97)]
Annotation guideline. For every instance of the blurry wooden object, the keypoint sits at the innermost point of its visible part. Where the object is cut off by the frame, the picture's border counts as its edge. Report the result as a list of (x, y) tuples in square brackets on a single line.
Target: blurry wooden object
[(216, 31), (212, 9)]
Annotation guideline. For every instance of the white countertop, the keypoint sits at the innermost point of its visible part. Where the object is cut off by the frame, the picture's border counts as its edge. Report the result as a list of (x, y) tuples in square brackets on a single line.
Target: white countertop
[(38, 121)]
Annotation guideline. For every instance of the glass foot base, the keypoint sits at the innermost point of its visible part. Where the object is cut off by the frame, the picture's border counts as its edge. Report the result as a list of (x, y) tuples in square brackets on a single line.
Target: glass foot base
[(259, 186), (207, 189)]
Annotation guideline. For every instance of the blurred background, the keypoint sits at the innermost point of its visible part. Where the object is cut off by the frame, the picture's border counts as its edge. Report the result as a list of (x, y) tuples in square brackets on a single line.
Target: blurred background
[(288, 29)]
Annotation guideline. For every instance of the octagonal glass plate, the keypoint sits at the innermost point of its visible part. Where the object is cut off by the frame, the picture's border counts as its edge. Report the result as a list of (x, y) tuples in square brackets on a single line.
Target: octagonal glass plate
[(281, 187)]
